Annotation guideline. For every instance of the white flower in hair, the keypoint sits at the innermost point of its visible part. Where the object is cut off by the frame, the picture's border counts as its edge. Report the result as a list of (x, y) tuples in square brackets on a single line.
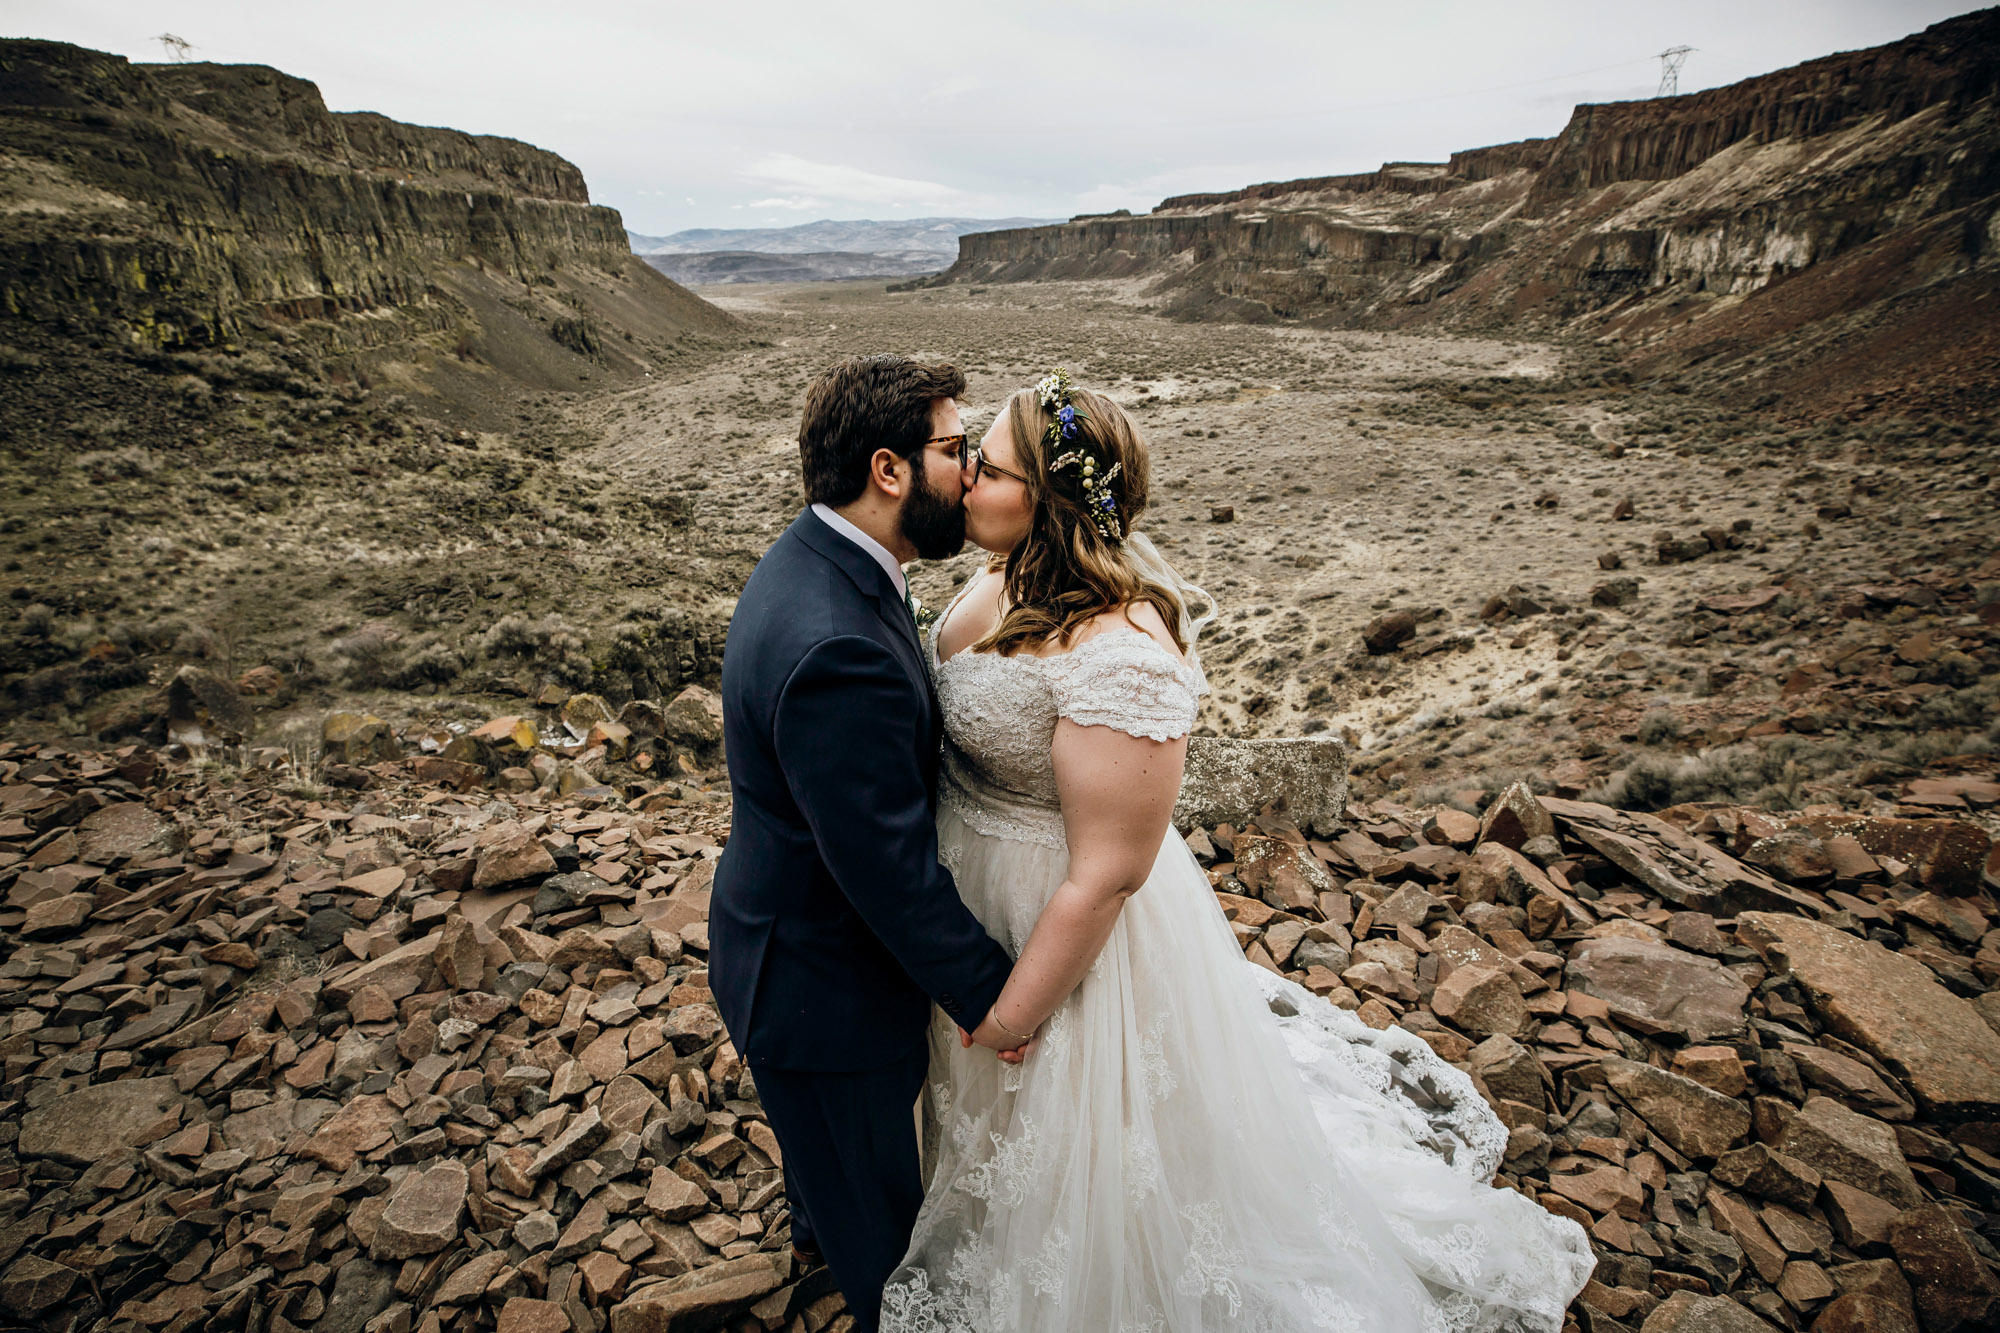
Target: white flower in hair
[(1052, 387)]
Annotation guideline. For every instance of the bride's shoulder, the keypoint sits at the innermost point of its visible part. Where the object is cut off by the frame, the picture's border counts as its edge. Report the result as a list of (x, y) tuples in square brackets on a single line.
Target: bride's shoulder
[(1116, 626)]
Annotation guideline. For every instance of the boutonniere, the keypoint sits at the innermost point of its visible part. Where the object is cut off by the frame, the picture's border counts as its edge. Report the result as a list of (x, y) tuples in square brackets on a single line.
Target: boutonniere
[(925, 616)]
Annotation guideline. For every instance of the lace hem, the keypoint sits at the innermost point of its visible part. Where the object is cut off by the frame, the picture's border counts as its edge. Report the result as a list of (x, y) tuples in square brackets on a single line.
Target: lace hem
[(1459, 1126)]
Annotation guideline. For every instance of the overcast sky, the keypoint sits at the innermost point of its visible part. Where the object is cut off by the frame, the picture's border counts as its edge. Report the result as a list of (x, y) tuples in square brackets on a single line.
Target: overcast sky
[(753, 113)]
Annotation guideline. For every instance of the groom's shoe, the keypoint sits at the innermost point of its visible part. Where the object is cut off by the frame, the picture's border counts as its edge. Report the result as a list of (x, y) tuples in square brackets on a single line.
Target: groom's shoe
[(805, 1257)]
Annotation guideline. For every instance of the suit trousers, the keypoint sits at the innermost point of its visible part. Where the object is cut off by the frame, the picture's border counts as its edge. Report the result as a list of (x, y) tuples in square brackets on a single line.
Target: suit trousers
[(850, 1146)]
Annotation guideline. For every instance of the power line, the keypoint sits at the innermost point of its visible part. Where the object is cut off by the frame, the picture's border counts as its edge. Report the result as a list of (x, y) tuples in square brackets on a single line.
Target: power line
[(1671, 61)]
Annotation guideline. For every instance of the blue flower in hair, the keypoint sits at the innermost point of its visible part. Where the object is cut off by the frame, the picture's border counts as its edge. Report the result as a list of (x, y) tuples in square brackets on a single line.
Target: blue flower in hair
[(1094, 481)]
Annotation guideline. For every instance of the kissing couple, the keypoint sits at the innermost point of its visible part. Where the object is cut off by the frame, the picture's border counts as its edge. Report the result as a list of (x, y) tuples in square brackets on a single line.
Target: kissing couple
[(956, 846)]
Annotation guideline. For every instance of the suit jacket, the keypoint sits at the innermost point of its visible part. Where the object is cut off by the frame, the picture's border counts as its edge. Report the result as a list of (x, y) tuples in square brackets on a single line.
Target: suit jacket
[(832, 927)]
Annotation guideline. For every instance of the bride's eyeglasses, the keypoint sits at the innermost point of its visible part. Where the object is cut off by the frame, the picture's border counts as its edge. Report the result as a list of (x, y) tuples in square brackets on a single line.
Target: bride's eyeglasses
[(980, 466)]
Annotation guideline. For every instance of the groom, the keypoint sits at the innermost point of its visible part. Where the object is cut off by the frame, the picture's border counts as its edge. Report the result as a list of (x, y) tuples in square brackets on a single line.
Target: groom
[(833, 927)]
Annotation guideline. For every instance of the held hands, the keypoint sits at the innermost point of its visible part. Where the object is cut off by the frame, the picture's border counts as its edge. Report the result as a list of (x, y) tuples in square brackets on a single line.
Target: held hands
[(1010, 1048)]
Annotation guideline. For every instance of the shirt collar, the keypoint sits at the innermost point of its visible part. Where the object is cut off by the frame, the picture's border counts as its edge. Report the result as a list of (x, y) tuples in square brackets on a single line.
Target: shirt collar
[(875, 549)]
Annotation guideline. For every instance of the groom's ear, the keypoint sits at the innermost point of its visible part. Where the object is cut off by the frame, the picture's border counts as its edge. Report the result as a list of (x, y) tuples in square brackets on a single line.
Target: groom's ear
[(888, 472)]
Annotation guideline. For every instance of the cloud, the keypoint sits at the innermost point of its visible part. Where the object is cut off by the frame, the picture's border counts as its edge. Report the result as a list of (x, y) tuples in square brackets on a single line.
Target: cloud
[(802, 184)]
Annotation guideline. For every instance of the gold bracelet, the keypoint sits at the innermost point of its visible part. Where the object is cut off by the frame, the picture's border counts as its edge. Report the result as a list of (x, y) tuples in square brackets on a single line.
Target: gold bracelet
[(994, 1014)]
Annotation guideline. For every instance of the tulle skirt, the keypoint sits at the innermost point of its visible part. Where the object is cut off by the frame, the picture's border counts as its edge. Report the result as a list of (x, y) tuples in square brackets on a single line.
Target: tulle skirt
[(1197, 1144)]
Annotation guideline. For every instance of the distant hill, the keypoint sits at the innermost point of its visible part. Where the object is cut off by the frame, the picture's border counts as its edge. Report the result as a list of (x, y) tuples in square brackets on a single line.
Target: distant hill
[(710, 267), (911, 245)]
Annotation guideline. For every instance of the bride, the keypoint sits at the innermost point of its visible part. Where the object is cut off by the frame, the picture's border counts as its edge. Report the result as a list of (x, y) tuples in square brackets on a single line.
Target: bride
[(1191, 1143)]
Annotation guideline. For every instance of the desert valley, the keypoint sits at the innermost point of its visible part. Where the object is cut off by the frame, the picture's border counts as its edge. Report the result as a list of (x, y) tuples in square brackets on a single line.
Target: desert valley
[(1612, 515)]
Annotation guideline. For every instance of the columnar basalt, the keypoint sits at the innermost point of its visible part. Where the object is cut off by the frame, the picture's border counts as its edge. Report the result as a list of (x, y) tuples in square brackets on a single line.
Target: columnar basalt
[(1636, 218), (175, 202)]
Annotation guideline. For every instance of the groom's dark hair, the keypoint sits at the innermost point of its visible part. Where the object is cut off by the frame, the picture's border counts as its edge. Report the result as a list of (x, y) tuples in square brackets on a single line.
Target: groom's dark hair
[(862, 404)]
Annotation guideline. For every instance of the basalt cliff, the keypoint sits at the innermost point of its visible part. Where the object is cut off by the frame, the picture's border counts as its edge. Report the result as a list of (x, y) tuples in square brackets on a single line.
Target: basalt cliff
[(188, 206), (294, 385), (1826, 233)]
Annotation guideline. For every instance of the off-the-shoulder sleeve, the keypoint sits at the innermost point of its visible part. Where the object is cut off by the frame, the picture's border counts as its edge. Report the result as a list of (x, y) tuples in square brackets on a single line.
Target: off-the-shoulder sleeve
[(1124, 679)]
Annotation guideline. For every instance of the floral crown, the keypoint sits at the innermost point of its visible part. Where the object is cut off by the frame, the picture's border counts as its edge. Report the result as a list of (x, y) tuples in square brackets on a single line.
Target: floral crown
[(1078, 452)]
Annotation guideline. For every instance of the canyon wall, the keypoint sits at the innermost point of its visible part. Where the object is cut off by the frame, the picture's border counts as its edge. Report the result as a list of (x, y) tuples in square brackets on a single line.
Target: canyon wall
[(1668, 223), (174, 204)]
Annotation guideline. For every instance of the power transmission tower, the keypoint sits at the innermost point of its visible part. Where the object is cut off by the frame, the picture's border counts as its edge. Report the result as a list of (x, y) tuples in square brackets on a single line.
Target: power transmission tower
[(176, 48), (1671, 61)]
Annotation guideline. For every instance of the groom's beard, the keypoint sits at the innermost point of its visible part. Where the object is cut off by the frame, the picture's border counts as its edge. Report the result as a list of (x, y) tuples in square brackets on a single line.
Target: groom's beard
[(932, 523)]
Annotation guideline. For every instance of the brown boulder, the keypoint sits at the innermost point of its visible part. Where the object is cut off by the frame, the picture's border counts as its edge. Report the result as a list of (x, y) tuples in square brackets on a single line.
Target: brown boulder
[(1386, 632), (1860, 1219), (1851, 1148), (1757, 1169), (1284, 876), (1453, 828), (423, 1215), (203, 709), (460, 955), (1855, 1313), (1607, 1189), (1890, 1006), (694, 718), (1943, 854), (1954, 1289), (1482, 1000), (1794, 856), (1709, 1314), (128, 831), (509, 854), (1717, 1067), (1698, 1121), (701, 1299), (1850, 1080), (1655, 988), (1515, 817), (1508, 1070), (91, 1124), (357, 738), (34, 1285), (523, 1314)]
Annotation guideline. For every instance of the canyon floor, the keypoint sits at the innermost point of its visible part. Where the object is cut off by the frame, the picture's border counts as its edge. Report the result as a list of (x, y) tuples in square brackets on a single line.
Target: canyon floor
[(1318, 482), (1476, 558)]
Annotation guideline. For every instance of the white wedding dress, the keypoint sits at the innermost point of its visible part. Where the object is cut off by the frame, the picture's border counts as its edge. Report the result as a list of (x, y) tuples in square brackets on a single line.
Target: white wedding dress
[(1196, 1144)]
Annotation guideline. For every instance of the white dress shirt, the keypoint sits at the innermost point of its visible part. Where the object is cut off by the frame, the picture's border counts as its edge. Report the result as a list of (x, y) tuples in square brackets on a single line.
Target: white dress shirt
[(865, 542)]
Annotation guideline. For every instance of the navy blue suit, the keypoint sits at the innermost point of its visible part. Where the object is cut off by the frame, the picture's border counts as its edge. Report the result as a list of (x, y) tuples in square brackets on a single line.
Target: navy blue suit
[(832, 926)]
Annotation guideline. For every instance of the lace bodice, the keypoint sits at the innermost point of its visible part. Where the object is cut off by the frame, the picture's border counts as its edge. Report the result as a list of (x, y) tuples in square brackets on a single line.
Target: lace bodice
[(1000, 717)]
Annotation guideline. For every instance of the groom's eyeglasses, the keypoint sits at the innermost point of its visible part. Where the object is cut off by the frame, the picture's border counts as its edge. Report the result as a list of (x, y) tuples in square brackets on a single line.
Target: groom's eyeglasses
[(954, 445), (980, 467)]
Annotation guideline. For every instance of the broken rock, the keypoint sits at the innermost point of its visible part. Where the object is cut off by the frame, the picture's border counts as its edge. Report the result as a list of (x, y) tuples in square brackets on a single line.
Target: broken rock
[(93, 1123), (1656, 988), (1698, 1121), (423, 1216), (1892, 1007)]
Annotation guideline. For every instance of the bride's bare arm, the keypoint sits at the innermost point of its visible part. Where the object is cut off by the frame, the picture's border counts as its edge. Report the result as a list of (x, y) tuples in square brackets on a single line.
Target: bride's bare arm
[(1117, 794)]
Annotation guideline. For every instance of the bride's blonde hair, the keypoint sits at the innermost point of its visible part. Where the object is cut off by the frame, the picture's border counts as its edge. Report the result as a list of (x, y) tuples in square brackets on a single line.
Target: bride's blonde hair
[(1065, 572)]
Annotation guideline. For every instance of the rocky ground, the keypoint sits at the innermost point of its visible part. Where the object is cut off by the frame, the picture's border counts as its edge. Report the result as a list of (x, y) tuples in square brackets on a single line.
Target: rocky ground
[(433, 1048)]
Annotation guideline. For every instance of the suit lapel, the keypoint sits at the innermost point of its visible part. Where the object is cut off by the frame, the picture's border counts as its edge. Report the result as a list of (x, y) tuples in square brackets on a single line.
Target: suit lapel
[(872, 581)]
